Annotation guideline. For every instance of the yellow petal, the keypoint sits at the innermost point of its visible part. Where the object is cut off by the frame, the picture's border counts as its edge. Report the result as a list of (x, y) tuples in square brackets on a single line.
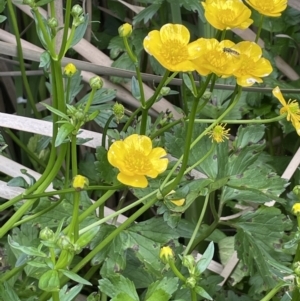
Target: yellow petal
[(277, 93), (116, 153), (152, 42), (175, 31), (134, 181)]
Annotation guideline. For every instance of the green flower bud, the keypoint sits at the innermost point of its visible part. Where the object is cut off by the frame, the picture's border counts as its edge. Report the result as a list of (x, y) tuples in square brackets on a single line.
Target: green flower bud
[(64, 243), (96, 82), (166, 254), (52, 23), (206, 95), (46, 234), (191, 282), (76, 11), (296, 190), (189, 262), (118, 110), (125, 30), (79, 115), (296, 268), (164, 91)]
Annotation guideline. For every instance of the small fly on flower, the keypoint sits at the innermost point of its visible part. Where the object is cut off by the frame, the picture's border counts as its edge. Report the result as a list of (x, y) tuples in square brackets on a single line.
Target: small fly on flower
[(231, 51)]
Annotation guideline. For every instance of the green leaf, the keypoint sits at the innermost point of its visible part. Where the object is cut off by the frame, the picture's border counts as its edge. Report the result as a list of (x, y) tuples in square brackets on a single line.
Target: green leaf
[(201, 292), (31, 251), (80, 31), (162, 290), (135, 88), (69, 295), (39, 31), (75, 87), (188, 83), (43, 2), (106, 172), (8, 293), (122, 62), (75, 277), (18, 182), (63, 132), (119, 288), (205, 260), (259, 243), (146, 14), (55, 111), (49, 281), (45, 60), (226, 250), (86, 237)]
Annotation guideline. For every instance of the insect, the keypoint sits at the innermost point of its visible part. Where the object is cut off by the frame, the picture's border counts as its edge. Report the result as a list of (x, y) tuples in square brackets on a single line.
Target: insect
[(230, 51)]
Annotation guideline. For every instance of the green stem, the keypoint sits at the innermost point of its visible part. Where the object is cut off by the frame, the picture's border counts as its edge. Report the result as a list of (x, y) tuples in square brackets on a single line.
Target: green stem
[(105, 129), (66, 29), (259, 28), (33, 216), (21, 60), (70, 39), (193, 295), (55, 296), (176, 271), (68, 89), (30, 154), (41, 187), (9, 274), (89, 101), (74, 228), (273, 292), (131, 118), (196, 230), (74, 156), (106, 241), (165, 128), (251, 121), (296, 292)]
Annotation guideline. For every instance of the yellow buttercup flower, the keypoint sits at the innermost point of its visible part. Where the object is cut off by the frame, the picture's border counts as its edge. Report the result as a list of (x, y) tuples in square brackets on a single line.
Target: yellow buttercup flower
[(271, 8), (80, 182), (253, 66), (219, 133), (170, 46), (224, 14), (217, 57), (135, 158), (290, 108)]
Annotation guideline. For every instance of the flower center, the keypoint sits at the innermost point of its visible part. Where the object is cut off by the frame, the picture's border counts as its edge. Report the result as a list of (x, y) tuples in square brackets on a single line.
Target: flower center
[(136, 162), (226, 16), (174, 52), (217, 58)]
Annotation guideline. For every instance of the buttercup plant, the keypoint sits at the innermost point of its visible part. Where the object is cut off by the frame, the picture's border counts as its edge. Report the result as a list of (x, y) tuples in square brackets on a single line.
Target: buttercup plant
[(190, 172)]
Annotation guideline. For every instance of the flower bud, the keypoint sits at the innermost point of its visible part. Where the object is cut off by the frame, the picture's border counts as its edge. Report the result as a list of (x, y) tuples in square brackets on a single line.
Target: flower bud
[(64, 243), (191, 282), (46, 234), (96, 82), (70, 70), (164, 91), (296, 209), (52, 23), (125, 30), (76, 11), (189, 262), (296, 190), (166, 254), (206, 95), (118, 110), (296, 268), (80, 182)]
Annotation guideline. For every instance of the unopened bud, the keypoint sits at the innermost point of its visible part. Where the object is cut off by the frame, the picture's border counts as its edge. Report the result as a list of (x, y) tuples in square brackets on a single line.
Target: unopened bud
[(52, 23), (118, 110), (70, 70), (46, 234), (64, 243), (296, 209), (96, 82), (206, 95), (76, 11), (296, 190), (80, 182), (125, 30), (191, 282), (166, 254), (164, 91)]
